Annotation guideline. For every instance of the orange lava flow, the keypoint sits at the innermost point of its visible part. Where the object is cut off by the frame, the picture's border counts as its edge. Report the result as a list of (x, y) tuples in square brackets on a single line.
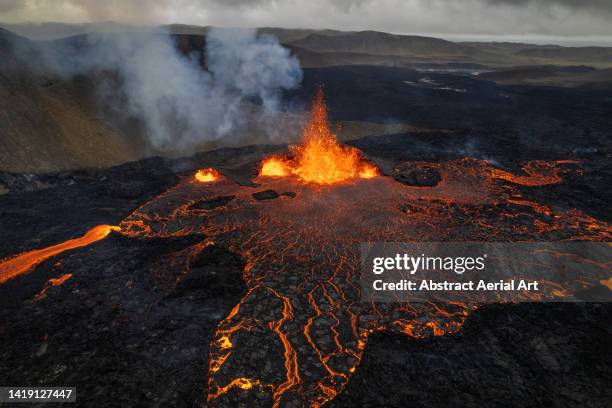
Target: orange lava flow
[(538, 173), (320, 159), (207, 175), (50, 283), (20, 264)]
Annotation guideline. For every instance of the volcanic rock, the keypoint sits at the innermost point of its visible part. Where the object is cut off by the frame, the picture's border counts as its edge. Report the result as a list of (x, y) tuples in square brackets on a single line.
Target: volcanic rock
[(213, 270), (265, 195), (118, 329), (289, 194), (419, 177), (500, 343), (410, 209), (130, 189), (216, 256), (212, 203)]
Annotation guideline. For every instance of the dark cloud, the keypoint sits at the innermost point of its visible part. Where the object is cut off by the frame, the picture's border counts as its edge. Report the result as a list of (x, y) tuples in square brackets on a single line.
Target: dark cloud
[(10, 5), (587, 5), (551, 18)]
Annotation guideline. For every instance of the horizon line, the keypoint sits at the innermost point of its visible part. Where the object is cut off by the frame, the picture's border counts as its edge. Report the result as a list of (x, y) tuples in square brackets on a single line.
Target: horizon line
[(528, 38)]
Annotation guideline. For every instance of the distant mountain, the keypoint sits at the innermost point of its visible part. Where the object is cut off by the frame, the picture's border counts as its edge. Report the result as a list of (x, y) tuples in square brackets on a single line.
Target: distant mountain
[(313, 59), (186, 29), (363, 47), (377, 43), (290, 35), (574, 54), (8, 37), (46, 31), (54, 31), (14, 47)]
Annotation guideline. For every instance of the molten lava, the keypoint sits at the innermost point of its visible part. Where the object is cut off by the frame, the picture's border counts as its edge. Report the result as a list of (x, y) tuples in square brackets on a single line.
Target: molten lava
[(275, 167), (368, 171), (538, 173), (303, 316), (207, 175), (320, 158), (13, 267), (51, 283)]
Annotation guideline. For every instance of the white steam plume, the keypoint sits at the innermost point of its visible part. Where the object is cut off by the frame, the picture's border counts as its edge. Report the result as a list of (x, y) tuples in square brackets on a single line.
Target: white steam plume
[(181, 104)]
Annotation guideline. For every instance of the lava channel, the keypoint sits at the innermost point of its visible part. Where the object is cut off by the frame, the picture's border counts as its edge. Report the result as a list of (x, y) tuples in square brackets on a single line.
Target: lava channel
[(24, 262)]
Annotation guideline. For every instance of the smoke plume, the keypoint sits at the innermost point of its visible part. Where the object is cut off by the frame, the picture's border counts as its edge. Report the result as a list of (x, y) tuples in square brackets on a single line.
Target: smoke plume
[(180, 103)]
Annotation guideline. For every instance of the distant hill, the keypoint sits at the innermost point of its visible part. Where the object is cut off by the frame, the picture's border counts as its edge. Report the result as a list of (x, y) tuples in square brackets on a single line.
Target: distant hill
[(15, 48), (46, 31), (312, 59), (54, 31), (290, 35), (377, 43), (577, 54), (364, 47)]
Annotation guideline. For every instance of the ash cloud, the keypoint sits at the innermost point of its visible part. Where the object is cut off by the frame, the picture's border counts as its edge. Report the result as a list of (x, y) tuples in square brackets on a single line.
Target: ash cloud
[(181, 104)]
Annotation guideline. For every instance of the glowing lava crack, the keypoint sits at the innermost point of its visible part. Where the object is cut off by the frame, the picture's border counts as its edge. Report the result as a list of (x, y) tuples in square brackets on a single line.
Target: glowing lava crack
[(299, 332)]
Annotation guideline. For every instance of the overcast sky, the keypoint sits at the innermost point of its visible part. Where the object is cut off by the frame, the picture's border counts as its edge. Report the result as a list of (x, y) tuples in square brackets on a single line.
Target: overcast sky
[(463, 19)]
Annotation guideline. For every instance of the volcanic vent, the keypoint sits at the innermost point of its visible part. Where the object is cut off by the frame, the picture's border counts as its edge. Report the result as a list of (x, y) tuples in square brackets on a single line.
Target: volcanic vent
[(320, 159)]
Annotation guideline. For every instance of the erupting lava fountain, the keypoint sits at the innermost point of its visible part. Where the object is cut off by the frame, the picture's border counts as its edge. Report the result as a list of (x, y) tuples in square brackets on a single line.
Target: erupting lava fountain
[(320, 158)]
